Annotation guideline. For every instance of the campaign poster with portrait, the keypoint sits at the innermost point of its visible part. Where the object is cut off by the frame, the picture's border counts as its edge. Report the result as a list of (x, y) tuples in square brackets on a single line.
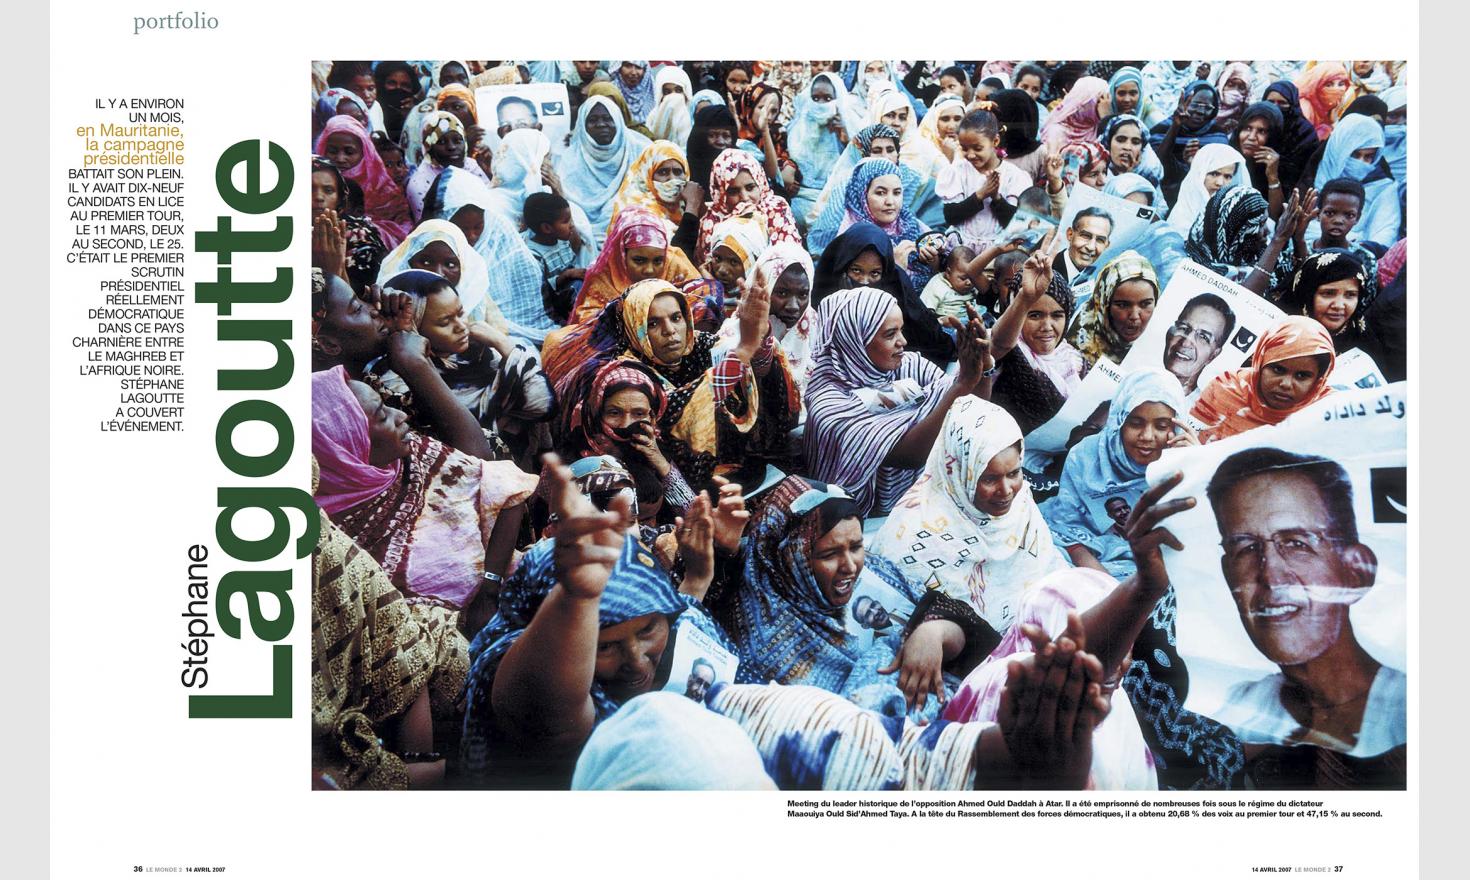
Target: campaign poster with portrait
[(1128, 223), (1089, 403), (504, 108), (1202, 326), (699, 662), (877, 609), (1356, 368), (1291, 587)]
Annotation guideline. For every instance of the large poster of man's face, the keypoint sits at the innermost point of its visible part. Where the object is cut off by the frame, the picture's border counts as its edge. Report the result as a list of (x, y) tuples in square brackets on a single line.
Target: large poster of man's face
[(504, 109), (1098, 226), (1291, 588), (1202, 326)]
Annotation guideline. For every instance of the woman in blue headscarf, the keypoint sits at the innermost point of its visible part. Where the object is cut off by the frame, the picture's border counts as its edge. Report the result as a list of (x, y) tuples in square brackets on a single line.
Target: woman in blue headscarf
[(789, 614), (1126, 185), (874, 141), (1126, 89), (583, 624), (1355, 150), (1104, 475), (635, 81), (825, 116), (593, 167)]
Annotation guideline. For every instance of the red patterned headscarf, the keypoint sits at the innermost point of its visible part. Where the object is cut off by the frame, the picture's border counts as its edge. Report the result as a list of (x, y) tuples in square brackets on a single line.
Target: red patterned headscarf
[(768, 207)]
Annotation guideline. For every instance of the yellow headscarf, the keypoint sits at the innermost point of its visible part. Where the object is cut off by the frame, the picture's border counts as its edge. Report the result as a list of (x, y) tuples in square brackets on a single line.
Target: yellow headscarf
[(638, 189)]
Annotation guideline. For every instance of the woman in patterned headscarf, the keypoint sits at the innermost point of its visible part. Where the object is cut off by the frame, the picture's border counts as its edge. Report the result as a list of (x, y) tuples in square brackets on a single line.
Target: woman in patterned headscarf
[(1118, 311), (739, 187), (655, 183), (994, 544), (1230, 239), (577, 635), (864, 201), (1333, 288), (637, 248), (635, 82), (803, 563), (445, 146), (721, 411)]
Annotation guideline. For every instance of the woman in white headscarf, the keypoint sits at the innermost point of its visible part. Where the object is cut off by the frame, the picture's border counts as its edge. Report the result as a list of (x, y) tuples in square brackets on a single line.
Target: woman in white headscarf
[(671, 119), (440, 247), (994, 544), (1207, 175)]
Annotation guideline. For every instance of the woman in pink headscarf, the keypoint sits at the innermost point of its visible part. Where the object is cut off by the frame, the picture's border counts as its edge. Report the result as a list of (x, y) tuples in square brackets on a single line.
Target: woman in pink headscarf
[(429, 514), (1074, 121), (345, 143), (1234, 86)]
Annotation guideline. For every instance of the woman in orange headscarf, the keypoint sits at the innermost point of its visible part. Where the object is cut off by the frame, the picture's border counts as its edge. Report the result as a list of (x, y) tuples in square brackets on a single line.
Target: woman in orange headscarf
[(1288, 373), (1323, 88), (655, 182)]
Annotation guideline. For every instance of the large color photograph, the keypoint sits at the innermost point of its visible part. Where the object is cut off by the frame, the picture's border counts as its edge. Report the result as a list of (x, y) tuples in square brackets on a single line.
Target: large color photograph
[(860, 425)]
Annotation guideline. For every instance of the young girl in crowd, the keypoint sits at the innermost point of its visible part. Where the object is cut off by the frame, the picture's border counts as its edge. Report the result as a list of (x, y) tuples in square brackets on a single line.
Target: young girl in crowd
[(978, 187)]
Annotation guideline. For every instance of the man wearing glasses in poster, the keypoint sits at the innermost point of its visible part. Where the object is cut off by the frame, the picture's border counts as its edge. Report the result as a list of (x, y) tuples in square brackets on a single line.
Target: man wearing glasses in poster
[(1291, 556), (1196, 338)]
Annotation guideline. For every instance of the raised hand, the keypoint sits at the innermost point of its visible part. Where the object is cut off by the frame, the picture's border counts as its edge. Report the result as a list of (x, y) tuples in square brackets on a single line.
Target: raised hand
[(1309, 211), (395, 305), (695, 533), (1036, 271), (1054, 166), (1049, 708), (588, 542), (693, 195), (329, 244), (754, 312), (1146, 537), (730, 515), (974, 350), (1291, 215)]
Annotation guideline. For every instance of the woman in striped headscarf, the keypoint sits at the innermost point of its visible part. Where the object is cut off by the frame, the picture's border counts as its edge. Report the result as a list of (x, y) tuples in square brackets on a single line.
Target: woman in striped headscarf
[(874, 408)]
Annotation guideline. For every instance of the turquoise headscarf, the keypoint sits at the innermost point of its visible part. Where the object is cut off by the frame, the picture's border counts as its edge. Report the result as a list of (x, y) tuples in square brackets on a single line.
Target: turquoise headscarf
[(1099, 471)]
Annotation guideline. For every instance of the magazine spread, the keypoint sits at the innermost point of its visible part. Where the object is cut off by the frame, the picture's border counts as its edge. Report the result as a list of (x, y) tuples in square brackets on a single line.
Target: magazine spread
[(1022, 450)]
